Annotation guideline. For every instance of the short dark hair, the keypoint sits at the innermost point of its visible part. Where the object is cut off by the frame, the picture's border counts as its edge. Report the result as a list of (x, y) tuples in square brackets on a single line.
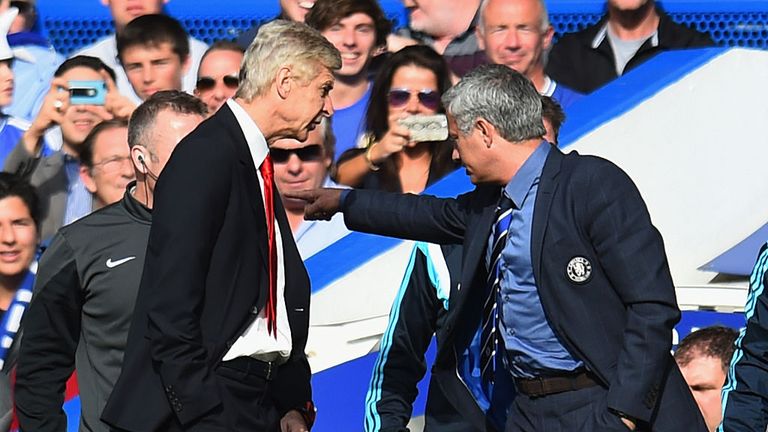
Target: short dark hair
[(222, 45), (143, 118), (151, 31), (12, 185), (86, 149), (326, 13), (89, 62), (715, 341), (552, 111)]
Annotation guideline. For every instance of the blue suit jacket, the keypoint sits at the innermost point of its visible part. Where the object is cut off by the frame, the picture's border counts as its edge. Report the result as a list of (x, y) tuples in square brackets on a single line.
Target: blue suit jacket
[(619, 321)]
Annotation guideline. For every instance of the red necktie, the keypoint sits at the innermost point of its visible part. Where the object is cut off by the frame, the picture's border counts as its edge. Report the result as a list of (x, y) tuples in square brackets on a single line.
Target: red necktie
[(267, 171)]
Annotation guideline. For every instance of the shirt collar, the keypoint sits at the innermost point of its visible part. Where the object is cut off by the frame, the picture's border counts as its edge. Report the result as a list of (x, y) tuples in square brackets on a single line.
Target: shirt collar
[(257, 144), (600, 37), (517, 188)]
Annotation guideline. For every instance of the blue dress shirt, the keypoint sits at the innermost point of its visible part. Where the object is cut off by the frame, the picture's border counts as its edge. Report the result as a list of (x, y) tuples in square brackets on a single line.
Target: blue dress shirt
[(533, 349), (79, 202)]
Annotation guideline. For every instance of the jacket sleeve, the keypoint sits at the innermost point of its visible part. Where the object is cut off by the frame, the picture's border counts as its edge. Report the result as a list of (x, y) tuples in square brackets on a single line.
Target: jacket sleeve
[(631, 253), (745, 394), (401, 364), (51, 334), (20, 161), (415, 217)]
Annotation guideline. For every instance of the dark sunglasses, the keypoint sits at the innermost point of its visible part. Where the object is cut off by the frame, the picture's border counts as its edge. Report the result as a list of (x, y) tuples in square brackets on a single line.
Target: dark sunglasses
[(207, 83), (400, 96), (309, 153)]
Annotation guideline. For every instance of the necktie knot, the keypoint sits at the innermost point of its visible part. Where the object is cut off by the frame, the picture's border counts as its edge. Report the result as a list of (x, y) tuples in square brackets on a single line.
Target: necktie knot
[(267, 169)]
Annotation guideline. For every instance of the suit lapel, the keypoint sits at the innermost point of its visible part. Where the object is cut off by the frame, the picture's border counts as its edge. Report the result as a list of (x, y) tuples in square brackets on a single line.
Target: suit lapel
[(249, 178), (547, 186)]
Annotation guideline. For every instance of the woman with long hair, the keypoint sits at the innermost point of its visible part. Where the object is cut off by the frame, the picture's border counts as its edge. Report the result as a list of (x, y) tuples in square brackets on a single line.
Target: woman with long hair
[(410, 82)]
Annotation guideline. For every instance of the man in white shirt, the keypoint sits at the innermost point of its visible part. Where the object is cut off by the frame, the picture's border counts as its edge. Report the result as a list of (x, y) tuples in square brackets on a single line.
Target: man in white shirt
[(218, 336)]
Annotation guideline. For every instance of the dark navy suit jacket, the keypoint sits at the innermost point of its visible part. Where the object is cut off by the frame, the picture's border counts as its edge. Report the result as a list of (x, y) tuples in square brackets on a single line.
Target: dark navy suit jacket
[(618, 322)]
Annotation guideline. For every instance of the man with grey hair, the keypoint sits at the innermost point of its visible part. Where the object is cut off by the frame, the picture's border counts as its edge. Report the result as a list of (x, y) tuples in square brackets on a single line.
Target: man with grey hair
[(222, 315), (517, 33), (565, 290)]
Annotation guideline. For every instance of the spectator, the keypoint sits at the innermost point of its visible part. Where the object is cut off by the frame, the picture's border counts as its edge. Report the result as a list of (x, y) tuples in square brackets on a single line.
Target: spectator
[(410, 82), (11, 128), (88, 279), (744, 397), (552, 116), (105, 166), (33, 72), (703, 357), (290, 10), (123, 12), (629, 34), (420, 311), (517, 33), (305, 165), (358, 29), (154, 53), (19, 221), (56, 176), (448, 26), (219, 74)]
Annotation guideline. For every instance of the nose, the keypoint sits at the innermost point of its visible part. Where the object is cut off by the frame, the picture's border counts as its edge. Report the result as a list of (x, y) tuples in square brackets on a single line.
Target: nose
[(413, 106), (328, 106), (455, 155), (293, 164), (7, 235), (511, 40), (127, 168), (148, 74), (409, 3), (349, 37)]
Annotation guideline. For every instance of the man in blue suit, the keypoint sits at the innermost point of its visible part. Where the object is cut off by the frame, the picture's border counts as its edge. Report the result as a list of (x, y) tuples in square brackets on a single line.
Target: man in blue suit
[(561, 266)]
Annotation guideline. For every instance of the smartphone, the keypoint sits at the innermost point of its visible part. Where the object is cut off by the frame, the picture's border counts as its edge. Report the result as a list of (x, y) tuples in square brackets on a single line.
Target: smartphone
[(426, 127), (87, 92)]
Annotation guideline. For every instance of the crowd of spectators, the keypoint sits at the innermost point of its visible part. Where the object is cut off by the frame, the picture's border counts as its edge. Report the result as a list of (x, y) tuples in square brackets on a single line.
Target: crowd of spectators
[(64, 157)]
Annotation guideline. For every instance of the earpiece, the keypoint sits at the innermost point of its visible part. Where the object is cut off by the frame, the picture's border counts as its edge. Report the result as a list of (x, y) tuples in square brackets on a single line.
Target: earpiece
[(141, 159)]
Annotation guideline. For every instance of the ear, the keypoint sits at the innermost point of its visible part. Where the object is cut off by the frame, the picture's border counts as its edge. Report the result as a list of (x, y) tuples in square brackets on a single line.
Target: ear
[(487, 130), (88, 182), (546, 43), (185, 65), (479, 37), (328, 162), (284, 81), (137, 151)]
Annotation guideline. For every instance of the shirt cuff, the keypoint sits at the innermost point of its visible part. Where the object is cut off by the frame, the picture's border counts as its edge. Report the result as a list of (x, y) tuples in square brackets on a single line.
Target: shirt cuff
[(343, 197)]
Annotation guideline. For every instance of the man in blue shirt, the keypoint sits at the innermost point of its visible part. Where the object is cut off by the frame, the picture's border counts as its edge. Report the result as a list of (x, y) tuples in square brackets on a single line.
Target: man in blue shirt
[(562, 271)]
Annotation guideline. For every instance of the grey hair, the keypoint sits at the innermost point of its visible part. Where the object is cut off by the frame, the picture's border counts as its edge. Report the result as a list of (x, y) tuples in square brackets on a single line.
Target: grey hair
[(500, 95), (544, 18), (284, 43)]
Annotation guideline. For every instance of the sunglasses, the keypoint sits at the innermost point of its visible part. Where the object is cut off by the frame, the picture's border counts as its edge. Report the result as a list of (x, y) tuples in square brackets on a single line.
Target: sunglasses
[(400, 96), (309, 153), (207, 83)]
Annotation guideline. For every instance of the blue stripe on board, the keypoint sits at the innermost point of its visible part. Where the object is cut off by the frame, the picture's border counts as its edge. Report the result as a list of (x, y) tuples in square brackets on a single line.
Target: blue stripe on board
[(633, 88)]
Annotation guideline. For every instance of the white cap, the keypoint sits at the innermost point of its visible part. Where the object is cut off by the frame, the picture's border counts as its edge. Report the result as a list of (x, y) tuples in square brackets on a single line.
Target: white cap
[(6, 19)]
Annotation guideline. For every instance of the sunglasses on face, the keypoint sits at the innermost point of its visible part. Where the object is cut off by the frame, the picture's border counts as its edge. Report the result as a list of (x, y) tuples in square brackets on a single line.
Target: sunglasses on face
[(400, 96), (207, 83), (309, 153)]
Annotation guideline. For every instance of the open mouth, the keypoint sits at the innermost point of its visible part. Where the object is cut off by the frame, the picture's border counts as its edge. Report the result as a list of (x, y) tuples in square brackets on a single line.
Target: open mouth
[(307, 4), (9, 256)]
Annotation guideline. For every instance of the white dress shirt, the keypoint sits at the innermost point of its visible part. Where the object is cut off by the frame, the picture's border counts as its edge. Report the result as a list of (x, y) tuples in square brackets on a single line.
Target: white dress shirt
[(256, 341)]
